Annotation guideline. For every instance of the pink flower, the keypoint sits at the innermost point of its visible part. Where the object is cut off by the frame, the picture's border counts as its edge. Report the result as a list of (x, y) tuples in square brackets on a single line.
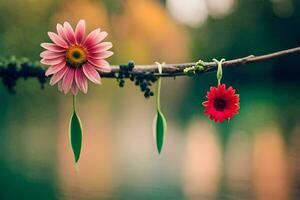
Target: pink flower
[(74, 58)]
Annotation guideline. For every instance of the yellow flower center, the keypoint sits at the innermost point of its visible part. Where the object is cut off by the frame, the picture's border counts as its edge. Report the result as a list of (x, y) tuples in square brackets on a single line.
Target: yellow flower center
[(76, 56)]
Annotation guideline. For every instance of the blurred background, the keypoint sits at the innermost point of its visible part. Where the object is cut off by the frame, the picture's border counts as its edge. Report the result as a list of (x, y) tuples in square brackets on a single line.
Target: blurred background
[(254, 156)]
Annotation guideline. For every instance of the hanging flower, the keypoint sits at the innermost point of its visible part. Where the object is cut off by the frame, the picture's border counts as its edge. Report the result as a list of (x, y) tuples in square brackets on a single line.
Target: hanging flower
[(74, 58), (222, 103)]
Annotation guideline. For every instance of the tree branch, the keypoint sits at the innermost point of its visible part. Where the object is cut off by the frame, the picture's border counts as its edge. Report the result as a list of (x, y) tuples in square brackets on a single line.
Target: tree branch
[(171, 70), (143, 75)]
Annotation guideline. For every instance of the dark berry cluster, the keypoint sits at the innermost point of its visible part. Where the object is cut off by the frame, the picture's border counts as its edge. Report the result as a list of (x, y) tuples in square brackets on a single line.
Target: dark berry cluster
[(144, 80), (125, 72), (12, 69)]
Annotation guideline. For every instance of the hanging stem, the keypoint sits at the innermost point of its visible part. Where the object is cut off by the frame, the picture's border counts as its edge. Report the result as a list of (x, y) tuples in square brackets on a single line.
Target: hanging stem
[(74, 103), (219, 69), (160, 122), (158, 93), (160, 66)]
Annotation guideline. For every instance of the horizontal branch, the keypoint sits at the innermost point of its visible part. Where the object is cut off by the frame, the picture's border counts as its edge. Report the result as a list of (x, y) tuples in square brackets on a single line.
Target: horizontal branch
[(172, 70), (143, 75)]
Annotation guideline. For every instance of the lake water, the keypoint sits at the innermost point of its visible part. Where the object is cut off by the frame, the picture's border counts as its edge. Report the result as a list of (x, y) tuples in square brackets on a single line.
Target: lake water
[(254, 156)]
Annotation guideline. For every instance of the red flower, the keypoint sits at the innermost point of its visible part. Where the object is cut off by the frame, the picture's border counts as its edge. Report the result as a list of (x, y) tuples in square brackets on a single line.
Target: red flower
[(222, 103)]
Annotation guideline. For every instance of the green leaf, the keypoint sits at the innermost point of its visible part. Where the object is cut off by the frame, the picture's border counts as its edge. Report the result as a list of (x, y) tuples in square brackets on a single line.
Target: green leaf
[(75, 136), (161, 129)]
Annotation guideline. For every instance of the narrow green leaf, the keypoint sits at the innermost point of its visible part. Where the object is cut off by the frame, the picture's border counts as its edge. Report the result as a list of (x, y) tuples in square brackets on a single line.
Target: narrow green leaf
[(75, 136), (161, 129)]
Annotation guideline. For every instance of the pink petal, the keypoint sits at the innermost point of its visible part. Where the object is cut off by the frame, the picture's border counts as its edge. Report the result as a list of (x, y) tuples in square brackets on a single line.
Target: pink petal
[(53, 61), (53, 47), (51, 55), (55, 68), (61, 32), (99, 37), (58, 76), (69, 33), (102, 55), (67, 81), (80, 31), (58, 40), (101, 65), (91, 73), (104, 46), (81, 81), (74, 88), (91, 37)]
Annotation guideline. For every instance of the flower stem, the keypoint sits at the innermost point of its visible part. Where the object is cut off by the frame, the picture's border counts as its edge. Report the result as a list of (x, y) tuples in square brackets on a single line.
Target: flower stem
[(74, 103), (219, 70), (160, 66)]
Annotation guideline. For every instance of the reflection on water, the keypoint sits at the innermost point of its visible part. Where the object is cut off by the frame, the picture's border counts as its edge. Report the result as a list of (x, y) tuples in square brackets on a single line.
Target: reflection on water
[(238, 165), (270, 165), (201, 171), (119, 160)]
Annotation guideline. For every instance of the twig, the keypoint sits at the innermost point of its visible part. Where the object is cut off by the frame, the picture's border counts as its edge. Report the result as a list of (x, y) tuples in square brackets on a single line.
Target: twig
[(143, 75), (171, 70)]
